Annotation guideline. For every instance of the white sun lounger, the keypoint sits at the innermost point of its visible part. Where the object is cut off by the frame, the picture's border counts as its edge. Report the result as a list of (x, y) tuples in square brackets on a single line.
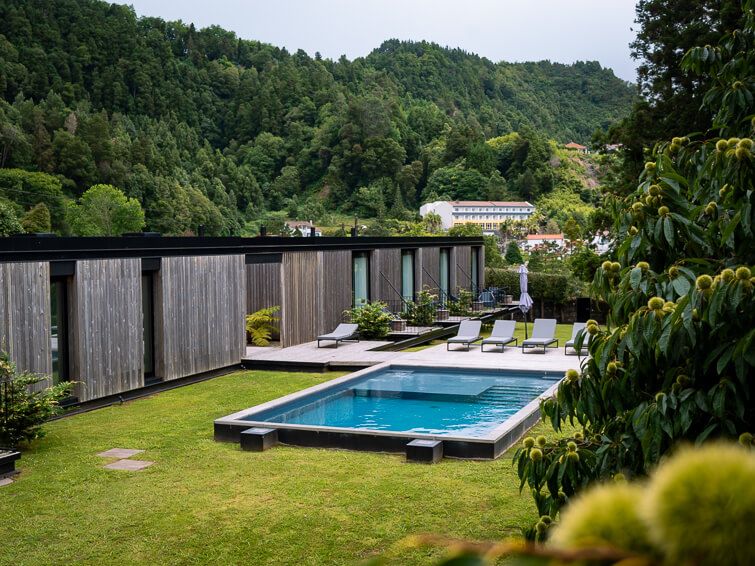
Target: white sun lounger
[(342, 333), (543, 334), (469, 331), (502, 334), (572, 342)]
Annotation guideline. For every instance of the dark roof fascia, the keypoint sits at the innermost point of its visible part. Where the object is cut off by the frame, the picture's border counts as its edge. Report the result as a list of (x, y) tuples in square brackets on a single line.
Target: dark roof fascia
[(31, 248)]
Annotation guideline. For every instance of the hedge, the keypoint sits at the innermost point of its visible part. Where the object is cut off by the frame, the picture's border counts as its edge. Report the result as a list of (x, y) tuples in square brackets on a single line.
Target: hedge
[(542, 286)]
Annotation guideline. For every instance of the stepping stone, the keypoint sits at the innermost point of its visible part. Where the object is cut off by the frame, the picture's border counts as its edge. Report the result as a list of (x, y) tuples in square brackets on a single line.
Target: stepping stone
[(5, 481), (424, 451), (129, 465), (119, 453)]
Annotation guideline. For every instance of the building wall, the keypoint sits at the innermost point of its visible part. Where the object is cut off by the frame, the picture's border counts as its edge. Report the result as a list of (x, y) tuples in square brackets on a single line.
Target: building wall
[(105, 327), (335, 284), (388, 262), (463, 267), (200, 307), (430, 271), (263, 286), (316, 290), (25, 316)]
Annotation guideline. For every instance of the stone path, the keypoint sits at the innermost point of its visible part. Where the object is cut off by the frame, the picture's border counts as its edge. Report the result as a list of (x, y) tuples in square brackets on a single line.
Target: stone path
[(5, 481), (123, 462)]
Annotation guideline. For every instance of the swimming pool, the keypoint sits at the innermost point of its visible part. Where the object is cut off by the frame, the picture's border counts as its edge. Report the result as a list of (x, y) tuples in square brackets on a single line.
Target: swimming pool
[(477, 413)]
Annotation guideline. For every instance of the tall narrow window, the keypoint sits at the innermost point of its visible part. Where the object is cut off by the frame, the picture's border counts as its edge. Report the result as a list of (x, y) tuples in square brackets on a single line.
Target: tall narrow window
[(407, 275), (148, 324), (474, 271), (59, 330), (445, 274), (360, 265)]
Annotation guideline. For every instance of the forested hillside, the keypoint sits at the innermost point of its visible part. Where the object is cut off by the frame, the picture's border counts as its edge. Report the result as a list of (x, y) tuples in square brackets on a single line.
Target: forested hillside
[(203, 128)]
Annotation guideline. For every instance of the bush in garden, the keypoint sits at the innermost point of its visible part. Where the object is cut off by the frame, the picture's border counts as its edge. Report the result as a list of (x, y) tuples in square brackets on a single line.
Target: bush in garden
[(260, 325), (422, 311), (676, 359), (373, 319), (462, 304), (22, 411)]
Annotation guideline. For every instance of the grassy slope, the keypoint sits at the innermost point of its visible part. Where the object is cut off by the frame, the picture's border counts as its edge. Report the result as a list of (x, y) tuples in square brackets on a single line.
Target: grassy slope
[(208, 502)]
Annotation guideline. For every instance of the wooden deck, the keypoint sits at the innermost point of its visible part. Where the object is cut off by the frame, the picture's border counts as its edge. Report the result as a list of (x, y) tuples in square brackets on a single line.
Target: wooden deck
[(359, 354)]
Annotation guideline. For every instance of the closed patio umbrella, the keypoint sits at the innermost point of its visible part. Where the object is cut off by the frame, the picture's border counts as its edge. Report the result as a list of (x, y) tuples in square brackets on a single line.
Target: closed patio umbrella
[(525, 301)]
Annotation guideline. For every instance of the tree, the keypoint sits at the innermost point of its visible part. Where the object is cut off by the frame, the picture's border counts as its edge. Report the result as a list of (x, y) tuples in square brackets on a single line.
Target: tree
[(9, 223), (104, 210), (513, 254), (37, 219), (675, 362)]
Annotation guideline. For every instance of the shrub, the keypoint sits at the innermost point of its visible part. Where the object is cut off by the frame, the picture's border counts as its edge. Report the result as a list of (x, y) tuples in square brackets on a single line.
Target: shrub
[(541, 286), (22, 411), (260, 325), (422, 311), (462, 305), (373, 319)]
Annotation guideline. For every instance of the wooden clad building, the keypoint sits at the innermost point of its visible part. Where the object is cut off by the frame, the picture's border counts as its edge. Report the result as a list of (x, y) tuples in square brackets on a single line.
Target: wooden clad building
[(116, 314)]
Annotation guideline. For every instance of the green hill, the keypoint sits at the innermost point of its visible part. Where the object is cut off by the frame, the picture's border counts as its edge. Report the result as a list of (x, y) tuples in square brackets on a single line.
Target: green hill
[(202, 127)]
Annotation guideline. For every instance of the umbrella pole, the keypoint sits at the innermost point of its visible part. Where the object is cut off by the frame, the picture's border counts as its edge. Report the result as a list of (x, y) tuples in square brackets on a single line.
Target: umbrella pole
[(525, 324)]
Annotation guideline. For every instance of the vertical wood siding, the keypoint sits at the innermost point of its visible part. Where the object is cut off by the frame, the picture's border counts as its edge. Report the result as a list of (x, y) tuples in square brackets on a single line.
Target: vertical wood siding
[(301, 279), (263, 286), (316, 290), (105, 326), (336, 288), (25, 316), (388, 262), (200, 305), (430, 259), (481, 266), (463, 267)]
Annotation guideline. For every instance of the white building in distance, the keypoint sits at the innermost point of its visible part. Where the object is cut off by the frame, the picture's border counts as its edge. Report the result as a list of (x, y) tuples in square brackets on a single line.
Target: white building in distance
[(488, 214)]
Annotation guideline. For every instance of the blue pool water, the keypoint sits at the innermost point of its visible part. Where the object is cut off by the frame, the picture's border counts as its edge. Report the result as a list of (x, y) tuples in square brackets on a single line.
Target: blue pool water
[(468, 403)]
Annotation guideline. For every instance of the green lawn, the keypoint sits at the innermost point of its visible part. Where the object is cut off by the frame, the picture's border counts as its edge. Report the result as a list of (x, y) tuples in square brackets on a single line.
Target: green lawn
[(208, 502), (563, 333)]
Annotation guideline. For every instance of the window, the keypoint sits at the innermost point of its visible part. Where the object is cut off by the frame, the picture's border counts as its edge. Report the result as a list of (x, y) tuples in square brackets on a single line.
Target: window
[(59, 330), (445, 273), (407, 275), (148, 323), (360, 272)]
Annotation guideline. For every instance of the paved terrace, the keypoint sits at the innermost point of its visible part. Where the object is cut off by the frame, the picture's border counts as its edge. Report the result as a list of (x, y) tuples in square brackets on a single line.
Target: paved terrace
[(359, 354)]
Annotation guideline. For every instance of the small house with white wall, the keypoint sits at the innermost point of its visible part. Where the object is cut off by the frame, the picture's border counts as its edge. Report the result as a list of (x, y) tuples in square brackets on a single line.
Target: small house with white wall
[(537, 241), (305, 227)]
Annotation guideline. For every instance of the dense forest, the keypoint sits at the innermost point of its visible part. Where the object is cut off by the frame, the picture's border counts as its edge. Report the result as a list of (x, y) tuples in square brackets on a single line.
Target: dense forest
[(200, 127)]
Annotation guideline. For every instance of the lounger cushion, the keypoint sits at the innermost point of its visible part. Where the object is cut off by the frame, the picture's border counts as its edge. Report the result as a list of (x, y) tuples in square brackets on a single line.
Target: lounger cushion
[(341, 332), (538, 341), (498, 340), (463, 339)]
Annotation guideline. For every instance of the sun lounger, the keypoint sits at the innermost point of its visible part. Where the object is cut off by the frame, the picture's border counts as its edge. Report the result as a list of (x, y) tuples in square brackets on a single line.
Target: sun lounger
[(502, 334), (342, 333), (469, 331), (575, 331), (543, 334)]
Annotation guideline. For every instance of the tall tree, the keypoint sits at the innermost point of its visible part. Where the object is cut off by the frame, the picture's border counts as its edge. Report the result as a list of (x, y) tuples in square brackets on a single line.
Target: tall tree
[(104, 210)]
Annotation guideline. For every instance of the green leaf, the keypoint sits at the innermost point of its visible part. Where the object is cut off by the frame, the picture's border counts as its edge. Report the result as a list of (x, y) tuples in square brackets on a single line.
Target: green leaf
[(668, 230), (681, 285)]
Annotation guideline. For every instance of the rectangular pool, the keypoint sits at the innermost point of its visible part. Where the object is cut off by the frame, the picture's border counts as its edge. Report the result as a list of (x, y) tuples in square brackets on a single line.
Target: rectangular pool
[(477, 413)]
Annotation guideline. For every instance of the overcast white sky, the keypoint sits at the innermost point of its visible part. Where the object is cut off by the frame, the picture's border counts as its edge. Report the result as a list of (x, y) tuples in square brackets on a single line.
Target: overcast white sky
[(501, 30)]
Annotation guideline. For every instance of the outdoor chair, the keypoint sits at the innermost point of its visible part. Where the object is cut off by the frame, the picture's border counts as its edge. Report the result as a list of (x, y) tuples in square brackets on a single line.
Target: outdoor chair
[(502, 334), (543, 334), (579, 327), (469, 331), (343, 333)]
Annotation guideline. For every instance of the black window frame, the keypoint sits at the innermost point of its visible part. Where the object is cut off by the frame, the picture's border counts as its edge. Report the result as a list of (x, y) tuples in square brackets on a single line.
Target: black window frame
[(354, 255)]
